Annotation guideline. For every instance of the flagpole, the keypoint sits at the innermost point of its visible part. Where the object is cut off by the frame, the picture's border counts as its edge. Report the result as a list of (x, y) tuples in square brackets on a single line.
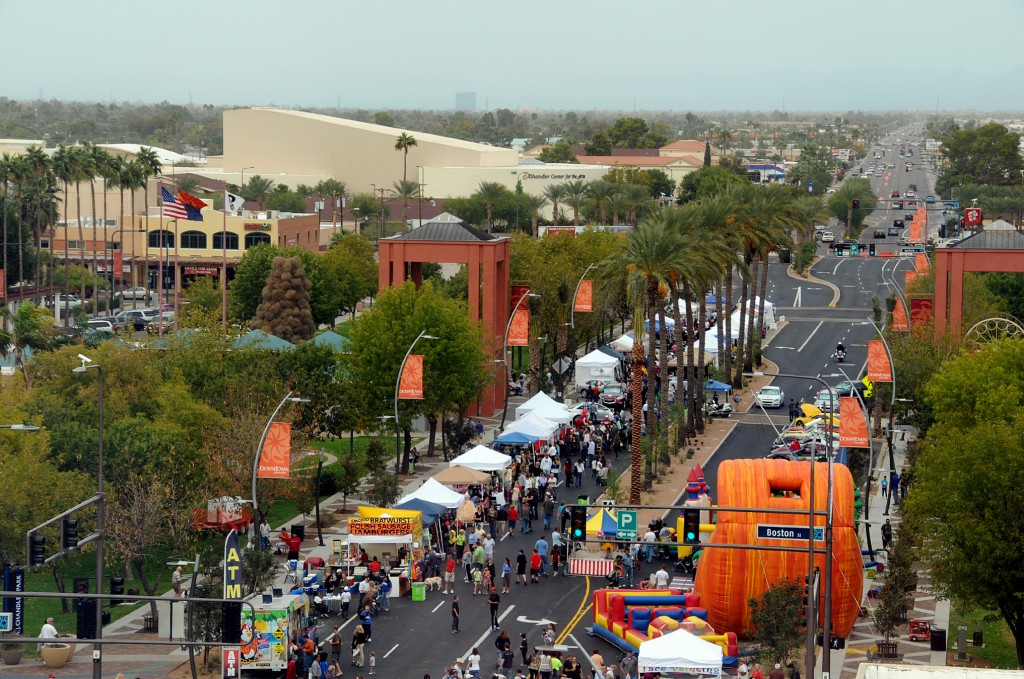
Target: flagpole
[(177, 275), (160, 271), (224, 271)]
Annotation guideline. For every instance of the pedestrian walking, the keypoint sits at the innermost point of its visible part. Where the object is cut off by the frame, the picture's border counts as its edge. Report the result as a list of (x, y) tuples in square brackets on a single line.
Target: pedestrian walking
[(473, 663), (524, 648), (885, 486), (628, 665), (896, 487), (494, 600), (346, 600), (334, 641), (455, 614), (886, 534), (506, 576), (794, 673), (521, 568)]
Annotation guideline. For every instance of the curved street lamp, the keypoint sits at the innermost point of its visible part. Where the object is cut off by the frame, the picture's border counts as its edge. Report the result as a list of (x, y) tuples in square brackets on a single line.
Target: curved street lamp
[(288, 398), (398, 381), (504, 355)]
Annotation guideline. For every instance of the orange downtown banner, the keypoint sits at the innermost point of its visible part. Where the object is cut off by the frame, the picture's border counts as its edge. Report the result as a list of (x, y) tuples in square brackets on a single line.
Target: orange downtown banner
[(585, 296), (118, 265), (854, 431), (899, 317), (921, 311), (411, 383), (275, 458), (519, 330), (879, 369)]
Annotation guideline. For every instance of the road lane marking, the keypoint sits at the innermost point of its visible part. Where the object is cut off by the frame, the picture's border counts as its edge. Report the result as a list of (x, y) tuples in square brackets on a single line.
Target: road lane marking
[(442, 603), (837, 266), (796, 301), (577, 615), (391, 651), (483, 637), (810, 336)]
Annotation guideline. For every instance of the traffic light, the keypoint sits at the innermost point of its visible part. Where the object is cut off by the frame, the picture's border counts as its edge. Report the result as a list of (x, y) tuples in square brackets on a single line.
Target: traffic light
[(231, 622), (691, 526), (856, 204), (901, 204), (36, 550), (871, 249), (578, 522), (68, 533), (116, 587)]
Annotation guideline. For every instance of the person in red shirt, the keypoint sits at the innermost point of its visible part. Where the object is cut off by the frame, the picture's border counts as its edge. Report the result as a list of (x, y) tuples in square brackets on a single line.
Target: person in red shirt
[(535, 564), (294, 544), (449, 574), (513, 517), (374, 566)]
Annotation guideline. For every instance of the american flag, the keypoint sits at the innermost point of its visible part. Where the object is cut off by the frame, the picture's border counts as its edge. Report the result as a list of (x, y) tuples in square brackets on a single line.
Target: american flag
[(172, 208)]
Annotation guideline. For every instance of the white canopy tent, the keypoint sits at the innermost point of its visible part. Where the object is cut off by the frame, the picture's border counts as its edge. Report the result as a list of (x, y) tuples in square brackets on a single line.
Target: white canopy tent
[(596, 365), (533, 425), (546, 407), (623, 344), (432, 491), (483, 459), (680, 652)]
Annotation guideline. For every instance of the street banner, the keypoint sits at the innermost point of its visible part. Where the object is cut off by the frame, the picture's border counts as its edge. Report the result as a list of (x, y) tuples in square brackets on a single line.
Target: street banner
[(410, 385), (519, 330), (879, 369), (380, 525), (972, 216), (275, 458), (233, 566), (921, 263), (517, 292), (899, 317), (921, 311), (585, 296), (854, 431), (118, 266)]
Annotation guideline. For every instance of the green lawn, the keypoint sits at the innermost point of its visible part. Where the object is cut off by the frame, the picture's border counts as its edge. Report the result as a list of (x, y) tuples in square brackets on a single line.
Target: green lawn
[(999, 649)]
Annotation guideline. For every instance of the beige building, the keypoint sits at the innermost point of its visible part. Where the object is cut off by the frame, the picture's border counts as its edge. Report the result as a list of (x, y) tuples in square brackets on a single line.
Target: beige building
[(362, 155), (18, 146), (459, 182)]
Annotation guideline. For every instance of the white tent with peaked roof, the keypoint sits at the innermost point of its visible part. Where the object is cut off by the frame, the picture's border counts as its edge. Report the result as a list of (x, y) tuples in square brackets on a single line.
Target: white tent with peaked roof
[(546, 407), (596, 365), (483, 459), (432, 491), (680, 652)]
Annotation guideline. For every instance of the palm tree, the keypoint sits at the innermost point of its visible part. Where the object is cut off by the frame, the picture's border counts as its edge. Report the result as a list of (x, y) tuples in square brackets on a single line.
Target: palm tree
[(402, 143), (29, 327), (333, 188), (600, 193), (188, 184), (618, 204), (81, 170), (134, 178), (635, 195), (258, 189), (807, 211), (149, 166), (555, 193), (118, 169), (407, 191), (645, 257), (63, 168), (576, 198), (109, 170), (37, 195), (490, 192), (533, 205), (7, 173)]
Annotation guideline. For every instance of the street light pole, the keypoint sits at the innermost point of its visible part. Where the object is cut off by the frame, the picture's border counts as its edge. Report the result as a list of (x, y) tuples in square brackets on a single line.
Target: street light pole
[(504, 354), (398, 381), (826, 661), (259, 451), (97, 665), (892, 412), (572, 317)]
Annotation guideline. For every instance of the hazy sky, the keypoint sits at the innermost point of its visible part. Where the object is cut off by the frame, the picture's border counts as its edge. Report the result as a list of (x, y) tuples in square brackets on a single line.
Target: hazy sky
[(549, 54)]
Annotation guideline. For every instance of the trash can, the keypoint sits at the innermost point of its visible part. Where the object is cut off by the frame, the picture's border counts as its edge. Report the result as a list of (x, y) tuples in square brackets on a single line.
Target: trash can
[(300, 530), (938, 639), (979, 639), (419, 591)]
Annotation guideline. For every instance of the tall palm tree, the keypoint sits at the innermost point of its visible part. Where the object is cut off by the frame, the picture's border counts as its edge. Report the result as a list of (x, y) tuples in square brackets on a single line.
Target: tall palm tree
[(149, 166), (98, 160), (64, 170), (490, 192), (600, 192), (636, 196), (402, 143), (532, 205), (37, 195), (406, 190), (7, 173), (258, 188), (618, 205), (644, 257), (806, 211), (105, 170), (555, 193), (134, 178), (575, 198), (118, 168)]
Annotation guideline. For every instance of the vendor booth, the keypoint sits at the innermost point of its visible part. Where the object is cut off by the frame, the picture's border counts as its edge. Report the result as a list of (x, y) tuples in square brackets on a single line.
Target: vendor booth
[(382, 531), (596, 365), (623, 344), (546, 407), (434, 492), (483, 459), (534, 425), (680, 653), (459, 478)]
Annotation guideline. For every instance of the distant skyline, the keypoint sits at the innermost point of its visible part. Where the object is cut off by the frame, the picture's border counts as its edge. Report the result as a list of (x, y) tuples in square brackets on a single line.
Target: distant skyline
[(696, 55)]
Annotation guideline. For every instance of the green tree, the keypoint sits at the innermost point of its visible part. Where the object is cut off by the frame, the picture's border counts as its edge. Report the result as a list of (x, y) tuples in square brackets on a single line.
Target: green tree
[(989, 154), (406, 190), (707, 154), (258, 189), (560, 152), (532, 205), (245, 292), (599, 145), (575, 198), (489, 193), (968, 539), (555, 194), (813, 168), (840, 204), (28, 327), (776, 619), (285, 311), (709, 181), (283, 200), (628, 132), (351, 262)]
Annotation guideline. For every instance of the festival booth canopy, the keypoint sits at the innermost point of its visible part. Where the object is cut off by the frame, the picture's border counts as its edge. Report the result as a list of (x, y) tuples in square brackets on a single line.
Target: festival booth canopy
[(595, 366), (482, 459), (657, 324), (679, 653), (428, 510), (458, 475), (533, 424), (623, 344), (432, 491), (517, 438), (385, 526), (715, 385), (602, 524), (546, 407)]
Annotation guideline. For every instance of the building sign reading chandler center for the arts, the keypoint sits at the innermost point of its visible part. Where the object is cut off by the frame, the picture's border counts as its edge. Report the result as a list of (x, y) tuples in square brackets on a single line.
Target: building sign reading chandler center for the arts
[(549, 176)]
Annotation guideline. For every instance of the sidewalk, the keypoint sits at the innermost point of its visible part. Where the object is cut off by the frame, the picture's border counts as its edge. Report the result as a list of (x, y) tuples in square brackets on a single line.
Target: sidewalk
[(926, 607)]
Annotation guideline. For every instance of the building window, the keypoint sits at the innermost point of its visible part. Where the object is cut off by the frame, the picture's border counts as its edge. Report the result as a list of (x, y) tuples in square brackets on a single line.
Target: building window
[(74, 245), (254, 239), (193, 240), (112, 245), (154, 238), (218, 241)]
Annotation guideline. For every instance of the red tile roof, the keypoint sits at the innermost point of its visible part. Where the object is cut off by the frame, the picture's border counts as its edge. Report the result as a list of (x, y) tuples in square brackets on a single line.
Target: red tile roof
[(686, 145)]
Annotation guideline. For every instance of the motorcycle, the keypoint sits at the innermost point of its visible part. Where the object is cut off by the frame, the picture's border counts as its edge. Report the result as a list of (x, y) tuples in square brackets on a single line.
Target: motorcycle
[(717, 409), (840, 356)]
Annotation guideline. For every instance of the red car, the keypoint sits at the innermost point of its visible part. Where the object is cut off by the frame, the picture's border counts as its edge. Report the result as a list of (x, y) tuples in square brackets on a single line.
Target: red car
[(613, 395)]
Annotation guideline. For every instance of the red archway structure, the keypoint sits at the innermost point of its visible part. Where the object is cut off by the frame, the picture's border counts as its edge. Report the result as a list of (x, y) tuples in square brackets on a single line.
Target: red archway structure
[(447, 240), (988, 251)]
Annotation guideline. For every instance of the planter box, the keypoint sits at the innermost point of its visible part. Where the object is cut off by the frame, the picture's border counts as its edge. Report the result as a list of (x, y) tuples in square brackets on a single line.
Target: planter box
[(56, 655), (12, 657), (887, 649)]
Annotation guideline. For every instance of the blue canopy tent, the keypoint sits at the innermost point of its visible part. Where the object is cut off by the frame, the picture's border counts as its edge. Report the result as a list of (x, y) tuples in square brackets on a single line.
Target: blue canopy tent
[(429, 510), (602, 524), (515, 438), (715, 385), (657, 324)]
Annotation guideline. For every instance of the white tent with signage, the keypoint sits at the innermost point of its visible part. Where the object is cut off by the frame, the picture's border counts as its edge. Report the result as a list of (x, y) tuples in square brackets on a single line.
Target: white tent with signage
[(483, 459), (680, 652), (432, 491), (546, 407), (596, 365), (623, 344)]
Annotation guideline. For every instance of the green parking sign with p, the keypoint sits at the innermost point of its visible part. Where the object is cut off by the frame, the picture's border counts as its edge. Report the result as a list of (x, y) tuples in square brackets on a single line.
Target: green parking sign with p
[(626, 526)]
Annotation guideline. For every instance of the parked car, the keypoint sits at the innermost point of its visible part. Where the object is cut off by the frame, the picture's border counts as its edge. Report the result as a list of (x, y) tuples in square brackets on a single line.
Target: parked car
[(825, 403), (770, 397), (102, 326), (165, 318), (613, 395), (602, 412), (118, 323), (140, 317), (587, 388), (136, 293)]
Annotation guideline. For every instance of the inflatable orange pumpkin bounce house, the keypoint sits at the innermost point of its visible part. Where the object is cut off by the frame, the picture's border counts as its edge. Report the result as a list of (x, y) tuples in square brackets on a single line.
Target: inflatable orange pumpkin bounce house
[(728, 578)]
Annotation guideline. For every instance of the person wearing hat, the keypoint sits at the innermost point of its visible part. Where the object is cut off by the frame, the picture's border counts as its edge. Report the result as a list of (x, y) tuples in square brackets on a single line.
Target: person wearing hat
[(743, 672)]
